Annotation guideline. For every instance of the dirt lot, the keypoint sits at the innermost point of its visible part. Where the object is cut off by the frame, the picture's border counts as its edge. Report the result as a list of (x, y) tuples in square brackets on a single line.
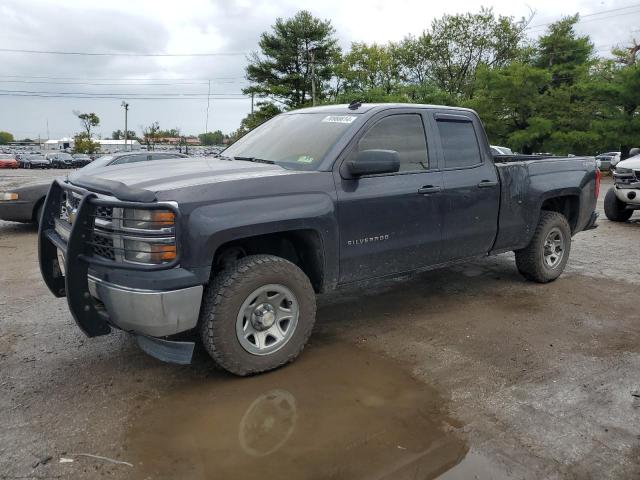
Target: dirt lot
[(468, 372)]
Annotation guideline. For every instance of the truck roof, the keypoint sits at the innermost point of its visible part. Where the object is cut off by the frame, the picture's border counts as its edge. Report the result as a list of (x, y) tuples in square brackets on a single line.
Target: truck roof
[(344, 109)]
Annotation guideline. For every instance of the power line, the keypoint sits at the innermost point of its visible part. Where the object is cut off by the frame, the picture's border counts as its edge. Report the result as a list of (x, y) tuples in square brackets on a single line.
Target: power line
[(602, 12), (121, 94), (123, 54), (115, 98), (54, 77)]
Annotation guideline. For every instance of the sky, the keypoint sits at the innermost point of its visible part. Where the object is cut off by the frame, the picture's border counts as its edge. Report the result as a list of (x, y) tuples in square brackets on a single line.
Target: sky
[(229, 28)]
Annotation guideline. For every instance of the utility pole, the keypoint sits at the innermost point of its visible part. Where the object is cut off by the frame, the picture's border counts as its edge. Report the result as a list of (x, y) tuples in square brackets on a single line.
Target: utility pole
[(48, 137), (252, 103), (206, 123), (126, 132), (312, 51)]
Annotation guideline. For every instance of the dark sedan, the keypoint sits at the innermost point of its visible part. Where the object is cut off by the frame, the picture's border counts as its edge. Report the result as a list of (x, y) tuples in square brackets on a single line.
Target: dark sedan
[(34, 161), (60, 160), (81, 160), (23, 204)]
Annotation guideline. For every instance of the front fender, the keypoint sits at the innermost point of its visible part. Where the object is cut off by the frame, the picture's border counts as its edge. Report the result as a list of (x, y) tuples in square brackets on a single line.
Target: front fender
[(210, 226)]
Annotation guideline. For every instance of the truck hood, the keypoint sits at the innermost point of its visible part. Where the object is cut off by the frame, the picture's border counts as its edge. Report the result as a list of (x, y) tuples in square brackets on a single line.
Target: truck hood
[(171, 174), (632, 163)]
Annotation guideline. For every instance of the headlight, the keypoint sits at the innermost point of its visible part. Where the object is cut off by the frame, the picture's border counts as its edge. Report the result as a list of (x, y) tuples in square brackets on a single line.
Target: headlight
[(624, 171), (143, 251), (148, 219), (6, 196)]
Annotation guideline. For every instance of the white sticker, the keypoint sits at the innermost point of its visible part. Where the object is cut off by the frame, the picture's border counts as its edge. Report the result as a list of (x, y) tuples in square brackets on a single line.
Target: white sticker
[(339, 119)]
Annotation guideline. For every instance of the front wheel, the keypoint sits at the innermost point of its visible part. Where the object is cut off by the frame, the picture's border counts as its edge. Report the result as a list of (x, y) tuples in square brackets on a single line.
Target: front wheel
[(257, 314), (544, 259)]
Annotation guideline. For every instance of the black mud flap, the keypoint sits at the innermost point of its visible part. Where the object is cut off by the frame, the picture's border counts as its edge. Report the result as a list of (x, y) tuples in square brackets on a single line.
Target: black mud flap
[(167, 350), (73, 283)]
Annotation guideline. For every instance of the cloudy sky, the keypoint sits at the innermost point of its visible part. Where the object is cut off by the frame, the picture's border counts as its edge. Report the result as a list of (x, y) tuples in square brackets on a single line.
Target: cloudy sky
[(230, 28)]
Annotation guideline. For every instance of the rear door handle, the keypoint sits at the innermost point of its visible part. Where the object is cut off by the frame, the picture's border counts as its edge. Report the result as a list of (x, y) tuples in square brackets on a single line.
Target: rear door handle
[(487, 184), (427, 189)]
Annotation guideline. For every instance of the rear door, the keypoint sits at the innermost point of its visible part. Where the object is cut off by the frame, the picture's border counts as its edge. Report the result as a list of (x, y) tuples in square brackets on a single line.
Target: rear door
[(390, 223), (471, 194)]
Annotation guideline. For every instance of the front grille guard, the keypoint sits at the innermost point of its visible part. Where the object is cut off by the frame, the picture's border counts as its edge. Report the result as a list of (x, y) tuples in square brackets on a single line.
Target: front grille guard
[(78, 255)]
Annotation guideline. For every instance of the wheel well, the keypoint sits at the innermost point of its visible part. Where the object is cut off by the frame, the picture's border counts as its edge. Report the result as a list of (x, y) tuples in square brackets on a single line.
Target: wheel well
[(568, 205), (301, 247)]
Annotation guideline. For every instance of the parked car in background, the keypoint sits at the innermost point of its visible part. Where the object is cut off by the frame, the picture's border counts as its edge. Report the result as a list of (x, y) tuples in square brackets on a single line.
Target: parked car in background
[(60, 160), (606, 160), (498, 150), (81, 159), (22, 204), (8, 160), (35, 161), (624, 197)]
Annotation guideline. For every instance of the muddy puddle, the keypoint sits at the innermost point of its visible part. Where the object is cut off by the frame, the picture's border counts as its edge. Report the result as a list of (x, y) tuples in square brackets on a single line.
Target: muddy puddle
[(338, 412)]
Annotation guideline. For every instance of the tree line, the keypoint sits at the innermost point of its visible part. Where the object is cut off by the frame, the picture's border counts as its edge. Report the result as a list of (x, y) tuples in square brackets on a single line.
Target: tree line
[(553, 94)]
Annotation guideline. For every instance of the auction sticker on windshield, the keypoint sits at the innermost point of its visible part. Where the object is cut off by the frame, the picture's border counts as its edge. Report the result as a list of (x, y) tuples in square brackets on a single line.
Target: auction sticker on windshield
[(339, 119)]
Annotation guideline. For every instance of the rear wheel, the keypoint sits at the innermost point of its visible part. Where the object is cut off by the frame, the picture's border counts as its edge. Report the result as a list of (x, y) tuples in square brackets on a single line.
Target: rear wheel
[(614, 209), (257, 314), (544, 259)]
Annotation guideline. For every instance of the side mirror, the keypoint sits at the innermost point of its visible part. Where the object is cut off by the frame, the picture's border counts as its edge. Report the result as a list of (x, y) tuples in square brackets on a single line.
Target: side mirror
[(371, 162)]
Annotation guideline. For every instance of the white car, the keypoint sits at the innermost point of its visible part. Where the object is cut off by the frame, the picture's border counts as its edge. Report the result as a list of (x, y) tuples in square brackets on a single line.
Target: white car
[(624, 197), (614, 159)]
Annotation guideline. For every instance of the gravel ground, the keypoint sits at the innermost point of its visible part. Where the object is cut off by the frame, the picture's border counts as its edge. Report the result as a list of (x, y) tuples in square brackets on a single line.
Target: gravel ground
[(466, 372)]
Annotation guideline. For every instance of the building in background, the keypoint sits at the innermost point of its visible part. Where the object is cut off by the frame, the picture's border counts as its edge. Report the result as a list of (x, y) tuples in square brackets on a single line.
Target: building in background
[(106, 146)]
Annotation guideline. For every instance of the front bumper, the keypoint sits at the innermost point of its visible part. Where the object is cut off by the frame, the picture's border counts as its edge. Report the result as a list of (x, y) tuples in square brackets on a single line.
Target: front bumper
[(148, 312), (99, 297), (16, 210), (630, 196)]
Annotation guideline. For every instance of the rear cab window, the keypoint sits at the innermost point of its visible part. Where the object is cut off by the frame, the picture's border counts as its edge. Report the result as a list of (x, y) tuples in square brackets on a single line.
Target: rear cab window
[(460, 147)]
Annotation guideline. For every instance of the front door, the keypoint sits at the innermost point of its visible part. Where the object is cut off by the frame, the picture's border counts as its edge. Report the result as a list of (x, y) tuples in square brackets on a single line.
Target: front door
[(391, 223)]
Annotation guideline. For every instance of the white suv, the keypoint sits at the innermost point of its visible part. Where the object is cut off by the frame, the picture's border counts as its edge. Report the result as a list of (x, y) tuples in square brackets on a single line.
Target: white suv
[(624, 197)]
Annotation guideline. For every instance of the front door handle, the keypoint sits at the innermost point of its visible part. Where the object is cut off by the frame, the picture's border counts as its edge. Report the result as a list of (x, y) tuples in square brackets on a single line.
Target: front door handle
[(487, 184), (428, 189)]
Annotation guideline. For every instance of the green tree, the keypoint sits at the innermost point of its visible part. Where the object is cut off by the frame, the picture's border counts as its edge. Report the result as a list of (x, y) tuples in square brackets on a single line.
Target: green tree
[(84, 144), (150, 134), (282, 69), (449, 54), (119, 135), (369, 68), (88, 121), (617, 87), (5, 137), (211, 138)]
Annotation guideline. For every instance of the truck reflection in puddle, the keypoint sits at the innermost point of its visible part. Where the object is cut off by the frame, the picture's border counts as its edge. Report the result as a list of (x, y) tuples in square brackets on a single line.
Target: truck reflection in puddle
[(339, 412)]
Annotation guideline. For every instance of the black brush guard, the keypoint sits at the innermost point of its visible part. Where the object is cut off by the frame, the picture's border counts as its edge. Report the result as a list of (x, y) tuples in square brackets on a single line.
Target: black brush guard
[(73, 283)]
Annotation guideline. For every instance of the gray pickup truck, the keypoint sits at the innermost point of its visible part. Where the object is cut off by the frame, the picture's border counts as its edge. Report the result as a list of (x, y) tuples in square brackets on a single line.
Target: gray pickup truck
[(233, 249)]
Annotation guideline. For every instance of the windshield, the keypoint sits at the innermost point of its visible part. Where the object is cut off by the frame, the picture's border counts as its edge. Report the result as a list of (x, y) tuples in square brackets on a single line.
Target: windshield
[(65, 156), (99, 162), (296, 141)]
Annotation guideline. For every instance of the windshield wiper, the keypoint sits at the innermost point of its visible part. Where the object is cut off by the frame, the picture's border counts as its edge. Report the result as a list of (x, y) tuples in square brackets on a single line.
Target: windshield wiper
[(255, 159), (223, 157)]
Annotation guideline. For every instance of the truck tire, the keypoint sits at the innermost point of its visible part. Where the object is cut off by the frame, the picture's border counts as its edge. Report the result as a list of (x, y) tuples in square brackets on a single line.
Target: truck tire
[(614, 209), (544, 259), (257, 314)]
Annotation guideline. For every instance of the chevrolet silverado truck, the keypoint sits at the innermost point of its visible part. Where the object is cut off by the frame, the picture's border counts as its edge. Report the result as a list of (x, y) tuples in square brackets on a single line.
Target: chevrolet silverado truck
[(234, 249)]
